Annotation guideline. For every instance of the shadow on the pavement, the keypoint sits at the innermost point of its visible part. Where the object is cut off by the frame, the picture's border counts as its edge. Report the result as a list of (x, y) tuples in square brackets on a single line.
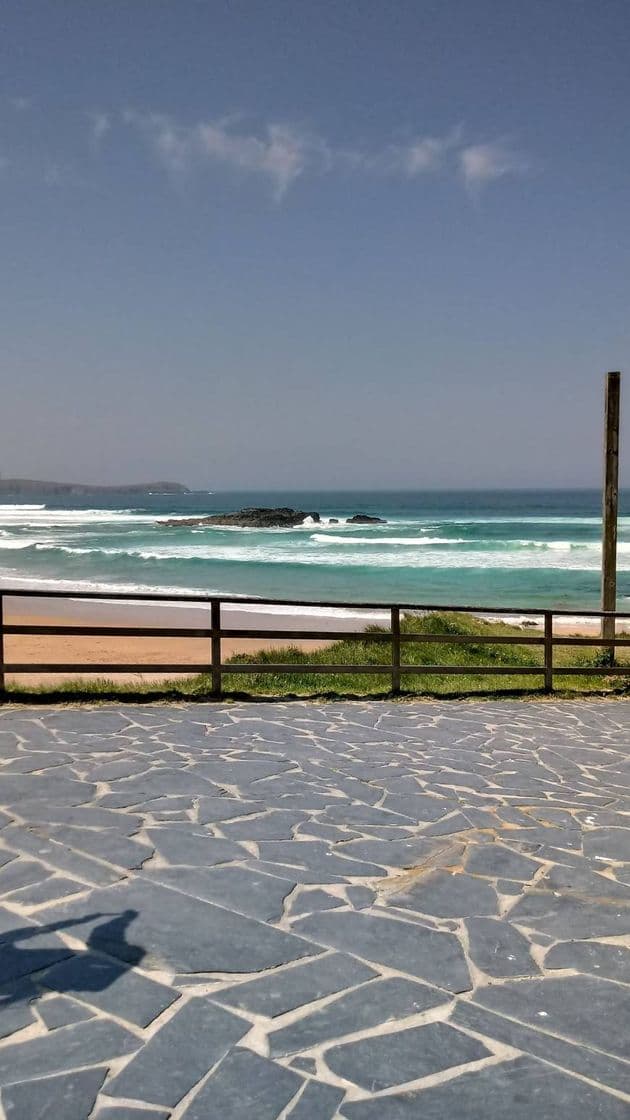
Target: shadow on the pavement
[(70, 971)]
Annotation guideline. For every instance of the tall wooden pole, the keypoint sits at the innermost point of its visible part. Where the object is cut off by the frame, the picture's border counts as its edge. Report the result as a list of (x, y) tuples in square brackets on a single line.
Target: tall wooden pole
[(610, 503)]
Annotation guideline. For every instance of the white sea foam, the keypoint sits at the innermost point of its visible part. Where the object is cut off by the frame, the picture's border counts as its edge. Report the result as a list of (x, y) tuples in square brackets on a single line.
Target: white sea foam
[(330, 538), (587, 559), (31, 517), (15, 506)]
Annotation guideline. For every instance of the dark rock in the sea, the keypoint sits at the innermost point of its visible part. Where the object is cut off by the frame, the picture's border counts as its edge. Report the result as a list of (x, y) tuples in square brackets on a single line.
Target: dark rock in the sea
[(255, 517), (333, 521), (365, 519)]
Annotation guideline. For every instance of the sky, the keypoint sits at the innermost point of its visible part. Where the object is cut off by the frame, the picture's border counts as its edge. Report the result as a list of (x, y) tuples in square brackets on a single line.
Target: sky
[(313, 243)]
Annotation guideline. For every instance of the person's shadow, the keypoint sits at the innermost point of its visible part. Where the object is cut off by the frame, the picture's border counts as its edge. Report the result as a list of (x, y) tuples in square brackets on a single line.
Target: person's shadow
[(68, 971)]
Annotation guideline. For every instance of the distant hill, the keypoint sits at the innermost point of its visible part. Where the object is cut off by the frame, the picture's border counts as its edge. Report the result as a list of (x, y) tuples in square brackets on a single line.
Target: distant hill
[(18, 487)]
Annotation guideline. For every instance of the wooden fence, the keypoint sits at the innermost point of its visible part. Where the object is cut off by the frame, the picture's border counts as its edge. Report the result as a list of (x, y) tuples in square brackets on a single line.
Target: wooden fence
[(395, 667)]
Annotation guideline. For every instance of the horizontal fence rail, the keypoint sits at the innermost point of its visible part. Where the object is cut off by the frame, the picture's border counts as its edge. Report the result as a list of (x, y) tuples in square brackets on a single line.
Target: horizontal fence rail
[(395, 668)]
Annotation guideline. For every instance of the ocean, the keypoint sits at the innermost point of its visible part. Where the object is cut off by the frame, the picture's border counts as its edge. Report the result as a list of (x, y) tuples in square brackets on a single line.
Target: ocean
[(499, 548)]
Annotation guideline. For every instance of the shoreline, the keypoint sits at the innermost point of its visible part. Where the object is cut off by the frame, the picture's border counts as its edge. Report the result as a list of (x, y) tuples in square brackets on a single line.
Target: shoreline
[(57, 649)]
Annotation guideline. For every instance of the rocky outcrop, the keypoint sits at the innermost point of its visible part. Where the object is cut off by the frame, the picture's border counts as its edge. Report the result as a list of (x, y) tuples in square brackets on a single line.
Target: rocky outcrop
[(365, 519), (254, 517), (263, 517)]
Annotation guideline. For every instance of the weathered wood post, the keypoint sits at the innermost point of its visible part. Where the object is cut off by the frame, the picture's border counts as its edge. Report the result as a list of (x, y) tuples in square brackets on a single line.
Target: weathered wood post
[(2, 679), (610, 506)]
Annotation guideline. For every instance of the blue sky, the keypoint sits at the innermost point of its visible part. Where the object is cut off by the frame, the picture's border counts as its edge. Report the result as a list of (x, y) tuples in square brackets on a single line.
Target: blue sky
[(313, 243)]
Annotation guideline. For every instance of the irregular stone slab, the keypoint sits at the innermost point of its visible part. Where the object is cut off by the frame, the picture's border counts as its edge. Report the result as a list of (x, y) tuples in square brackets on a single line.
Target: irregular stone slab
[(156, 783), (97, 1040), (598, 1067), (559, 837), (21, 873), (236, 888), (318, 1102), (310, 901), (194, 848), (185, 1048), (419, 808), (395, 1059), (184, 936), (611, 843), (520, 1089), (447, 896), (30, 764), (406, 947), (70, 1095), (53, 787), (610, 961), (60, 856), (319, 876), (15, 1007), (495, 861), (388, 853), (215, 809), (377, 1002), (86, 721), (111, 987), (586, 884), (56, 887), (360, 816), (563, 917), (124, 1112), (361, 897), (244, 1084), (104, 844), (448, 826), (237, 772), (317, 856), (277, 824), (294, 987), (578, 1007), (62, 1012), (498, 949)]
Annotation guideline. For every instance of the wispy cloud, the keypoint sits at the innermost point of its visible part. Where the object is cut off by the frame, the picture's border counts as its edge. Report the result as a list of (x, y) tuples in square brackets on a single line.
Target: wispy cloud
[(100, 124), (278, 154), (482, 164), (281, 153), (21, 104)]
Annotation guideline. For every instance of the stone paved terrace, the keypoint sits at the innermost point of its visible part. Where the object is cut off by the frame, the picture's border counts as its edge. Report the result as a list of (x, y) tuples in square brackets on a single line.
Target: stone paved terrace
[(299, 912)]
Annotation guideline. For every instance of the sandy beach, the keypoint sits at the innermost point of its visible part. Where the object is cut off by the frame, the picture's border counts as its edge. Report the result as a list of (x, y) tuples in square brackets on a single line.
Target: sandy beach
[(56, 649)]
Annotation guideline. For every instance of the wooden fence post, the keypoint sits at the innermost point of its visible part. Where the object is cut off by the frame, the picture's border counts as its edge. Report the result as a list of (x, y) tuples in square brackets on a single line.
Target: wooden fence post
[(215, 643), (610, 508), (548, 651), (395, 628), (2, 680)]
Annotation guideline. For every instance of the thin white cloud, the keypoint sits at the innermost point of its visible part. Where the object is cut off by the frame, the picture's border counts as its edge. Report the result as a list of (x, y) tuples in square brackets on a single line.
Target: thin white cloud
[(21, 104), (100, 124), (279, 154), (484, 163)]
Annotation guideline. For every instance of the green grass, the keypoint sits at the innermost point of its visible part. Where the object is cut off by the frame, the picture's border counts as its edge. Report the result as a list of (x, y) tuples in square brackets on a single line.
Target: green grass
[(352, 652)]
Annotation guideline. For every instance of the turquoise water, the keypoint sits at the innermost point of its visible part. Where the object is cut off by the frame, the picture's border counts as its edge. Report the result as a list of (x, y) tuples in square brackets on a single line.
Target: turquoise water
[(519, 548)]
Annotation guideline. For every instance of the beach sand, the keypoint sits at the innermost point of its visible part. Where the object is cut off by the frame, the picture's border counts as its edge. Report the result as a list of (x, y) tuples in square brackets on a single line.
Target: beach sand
[(56, 649), (65, 649)]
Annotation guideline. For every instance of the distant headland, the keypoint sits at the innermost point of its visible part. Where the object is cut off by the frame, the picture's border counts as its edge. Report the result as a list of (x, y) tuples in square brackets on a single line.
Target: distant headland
[(18, 487)]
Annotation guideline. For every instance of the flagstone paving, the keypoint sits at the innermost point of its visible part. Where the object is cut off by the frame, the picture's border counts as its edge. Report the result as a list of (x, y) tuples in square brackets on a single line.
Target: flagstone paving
[(308, 911)]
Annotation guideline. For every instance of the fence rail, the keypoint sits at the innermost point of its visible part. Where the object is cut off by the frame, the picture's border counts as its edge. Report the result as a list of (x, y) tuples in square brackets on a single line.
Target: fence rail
[(396, 668)]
